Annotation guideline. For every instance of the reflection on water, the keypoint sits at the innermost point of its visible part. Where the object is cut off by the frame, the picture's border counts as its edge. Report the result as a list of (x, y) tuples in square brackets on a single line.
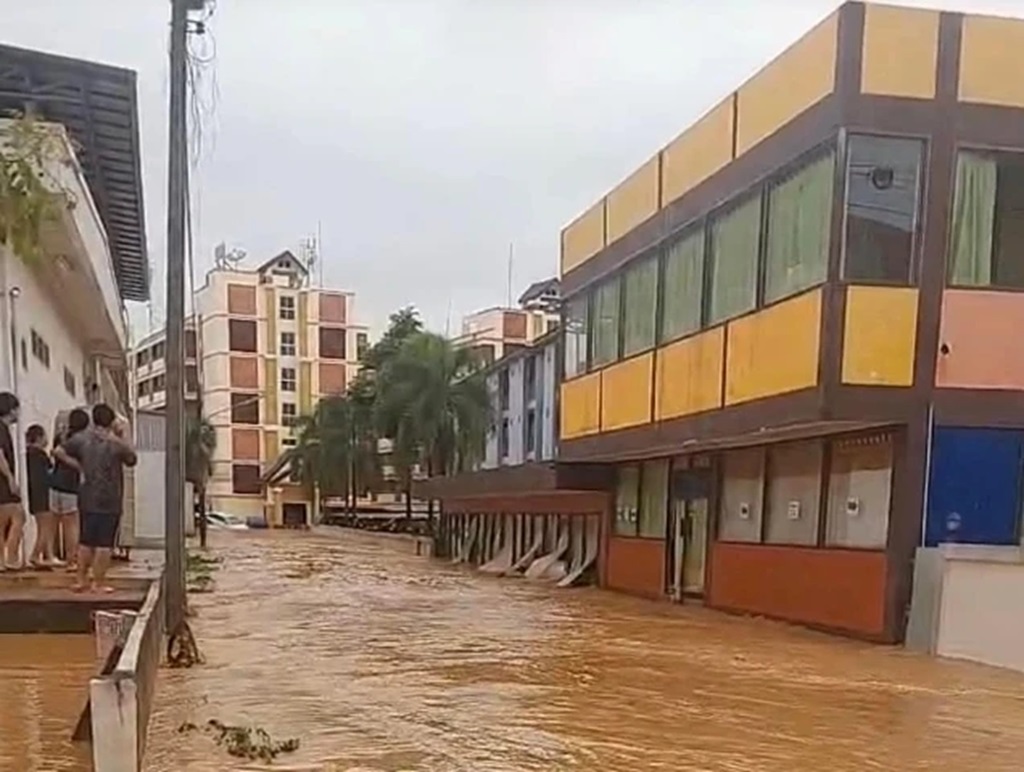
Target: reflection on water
[(392, 662), (44, 684)]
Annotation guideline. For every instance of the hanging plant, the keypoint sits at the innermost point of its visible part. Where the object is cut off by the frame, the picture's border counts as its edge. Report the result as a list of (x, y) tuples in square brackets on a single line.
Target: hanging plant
[(29, 193)]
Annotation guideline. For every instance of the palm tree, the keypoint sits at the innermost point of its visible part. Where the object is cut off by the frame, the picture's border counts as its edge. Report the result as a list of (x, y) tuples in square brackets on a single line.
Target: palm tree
[(432, 399), (326, 447), (200, 444)]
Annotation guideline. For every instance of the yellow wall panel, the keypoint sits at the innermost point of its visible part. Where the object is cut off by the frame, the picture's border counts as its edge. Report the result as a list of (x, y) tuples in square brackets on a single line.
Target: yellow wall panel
[(580, 406), (269, 391), (633, 201), (802, 76), (305, 388), (626, 393), (270, 310), (774, 351), (901, 47), (689, 375), (271, 447), (879, 336), (583, 238), (303, 324), (992, 61), (697, 153)]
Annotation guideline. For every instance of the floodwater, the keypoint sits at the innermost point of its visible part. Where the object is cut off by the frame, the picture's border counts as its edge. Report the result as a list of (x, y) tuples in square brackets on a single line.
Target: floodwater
[(380, 661), (44, 684)]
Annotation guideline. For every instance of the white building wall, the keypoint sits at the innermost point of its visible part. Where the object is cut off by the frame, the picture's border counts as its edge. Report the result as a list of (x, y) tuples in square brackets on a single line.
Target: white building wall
[(548, 396), (515, 413)]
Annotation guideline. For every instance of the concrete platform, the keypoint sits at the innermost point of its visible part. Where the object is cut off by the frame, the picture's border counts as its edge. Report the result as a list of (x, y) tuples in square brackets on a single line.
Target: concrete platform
[(42, 601)]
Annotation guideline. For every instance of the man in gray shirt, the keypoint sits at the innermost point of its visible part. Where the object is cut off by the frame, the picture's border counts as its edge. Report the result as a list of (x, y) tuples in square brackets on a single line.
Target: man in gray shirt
[(100, 454)]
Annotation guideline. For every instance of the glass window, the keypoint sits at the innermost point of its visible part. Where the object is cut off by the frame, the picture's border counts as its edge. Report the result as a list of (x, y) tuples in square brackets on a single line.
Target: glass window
[(606, 323), (739, 516), (683, 286), (288, 379), (734, 246), (627, 495), (654, 499), (799, 220), (287, 344), (287, 307), (641, 306), (289, 414), (576, 336), (987, 228), (794, 493), (882, 190), (859, 488)]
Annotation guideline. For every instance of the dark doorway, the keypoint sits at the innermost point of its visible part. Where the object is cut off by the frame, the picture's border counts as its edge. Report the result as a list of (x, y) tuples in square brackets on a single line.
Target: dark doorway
[(293, 515)]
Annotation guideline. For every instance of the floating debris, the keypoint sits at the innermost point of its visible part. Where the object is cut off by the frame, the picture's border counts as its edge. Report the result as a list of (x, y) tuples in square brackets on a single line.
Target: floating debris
[(244, 742), (307, 569)]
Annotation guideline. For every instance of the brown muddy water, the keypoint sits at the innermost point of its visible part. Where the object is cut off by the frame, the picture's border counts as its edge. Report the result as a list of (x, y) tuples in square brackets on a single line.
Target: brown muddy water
[(377, 660), (44, 683)]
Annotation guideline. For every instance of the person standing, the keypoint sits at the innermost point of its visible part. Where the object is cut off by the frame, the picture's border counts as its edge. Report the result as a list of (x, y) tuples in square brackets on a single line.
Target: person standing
[(102, 453), (64, 487), (39, 469), (12, 513)]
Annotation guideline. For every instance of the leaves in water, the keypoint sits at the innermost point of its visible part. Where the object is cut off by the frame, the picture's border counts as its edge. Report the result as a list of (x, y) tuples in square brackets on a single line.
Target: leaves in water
[(245, 742)]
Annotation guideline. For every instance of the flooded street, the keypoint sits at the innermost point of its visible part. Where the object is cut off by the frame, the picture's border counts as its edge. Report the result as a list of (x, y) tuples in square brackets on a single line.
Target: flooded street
[(380, 661), (44, 683)]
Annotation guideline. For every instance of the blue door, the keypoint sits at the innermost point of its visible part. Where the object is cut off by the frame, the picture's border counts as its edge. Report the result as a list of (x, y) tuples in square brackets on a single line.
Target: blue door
[(974, 486)]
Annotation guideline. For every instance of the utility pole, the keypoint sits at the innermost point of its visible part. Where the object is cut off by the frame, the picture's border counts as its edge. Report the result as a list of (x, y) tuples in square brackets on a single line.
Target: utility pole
[(177, 169)]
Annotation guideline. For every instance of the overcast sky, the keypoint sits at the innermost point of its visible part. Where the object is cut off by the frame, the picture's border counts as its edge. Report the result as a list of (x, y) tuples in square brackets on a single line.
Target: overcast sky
[(424, 135)]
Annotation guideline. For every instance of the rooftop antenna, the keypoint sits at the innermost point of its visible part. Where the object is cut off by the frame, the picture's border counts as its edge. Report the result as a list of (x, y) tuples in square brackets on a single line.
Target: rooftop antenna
[(511, 248), (225, 259), (320, 252)]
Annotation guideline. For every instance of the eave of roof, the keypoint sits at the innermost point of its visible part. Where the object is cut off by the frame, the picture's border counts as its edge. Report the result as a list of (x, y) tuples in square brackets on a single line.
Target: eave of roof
[(97, 105)]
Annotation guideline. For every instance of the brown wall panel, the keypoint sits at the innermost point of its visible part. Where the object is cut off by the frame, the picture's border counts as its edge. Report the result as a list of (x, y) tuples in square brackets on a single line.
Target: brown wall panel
[(241, 300), (244, 372), (834, 589), (332, 308), (636, 566)]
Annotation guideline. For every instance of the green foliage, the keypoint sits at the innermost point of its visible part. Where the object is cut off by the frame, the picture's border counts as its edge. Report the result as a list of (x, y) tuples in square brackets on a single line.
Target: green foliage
[(200, 444), (433, 401), (29, 195), (414, 388)]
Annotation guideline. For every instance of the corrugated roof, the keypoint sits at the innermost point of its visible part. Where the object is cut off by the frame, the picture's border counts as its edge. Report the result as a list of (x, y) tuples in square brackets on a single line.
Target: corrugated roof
[(97, 105)]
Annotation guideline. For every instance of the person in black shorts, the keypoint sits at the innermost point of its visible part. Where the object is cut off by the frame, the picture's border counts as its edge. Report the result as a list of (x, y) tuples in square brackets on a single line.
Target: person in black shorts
[(12, 514), (64, 485), (100, 453), (37, 462)]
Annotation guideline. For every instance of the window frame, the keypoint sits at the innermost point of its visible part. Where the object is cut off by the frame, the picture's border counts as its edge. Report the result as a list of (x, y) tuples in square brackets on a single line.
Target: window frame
[(289, 380), (985, 151), (650, 261), (289, 414), (287, 312), (615, 279), (290, 349), (917, 243)]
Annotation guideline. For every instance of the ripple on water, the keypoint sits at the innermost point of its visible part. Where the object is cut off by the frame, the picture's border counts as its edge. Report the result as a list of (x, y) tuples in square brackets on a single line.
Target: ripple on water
[(382, 661)]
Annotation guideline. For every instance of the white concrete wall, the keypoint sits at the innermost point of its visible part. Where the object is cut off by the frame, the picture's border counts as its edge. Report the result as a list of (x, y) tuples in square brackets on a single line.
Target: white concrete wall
[(548, 384), (968, 603)]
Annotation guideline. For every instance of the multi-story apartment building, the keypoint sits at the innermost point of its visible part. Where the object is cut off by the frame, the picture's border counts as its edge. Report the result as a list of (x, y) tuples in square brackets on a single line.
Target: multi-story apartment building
[(63, 328), (787, 346), (495, 332), (265, 346)]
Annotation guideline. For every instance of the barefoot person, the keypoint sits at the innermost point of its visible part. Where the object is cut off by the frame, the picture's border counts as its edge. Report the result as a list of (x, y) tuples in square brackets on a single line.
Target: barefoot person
[(64, 486), (102, 452), (37, 463), (12, 514)]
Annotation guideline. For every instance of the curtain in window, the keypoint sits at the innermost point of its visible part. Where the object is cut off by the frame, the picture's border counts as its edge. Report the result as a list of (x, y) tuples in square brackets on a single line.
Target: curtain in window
[(606, 323), (974, 206), (734, 243), (799, 221), (627, 500), (683, 286), (654, 501), (641, 287), (576, 336)]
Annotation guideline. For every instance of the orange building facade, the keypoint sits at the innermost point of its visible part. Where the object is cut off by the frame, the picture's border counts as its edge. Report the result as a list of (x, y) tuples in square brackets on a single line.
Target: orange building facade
[(788, 336)]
